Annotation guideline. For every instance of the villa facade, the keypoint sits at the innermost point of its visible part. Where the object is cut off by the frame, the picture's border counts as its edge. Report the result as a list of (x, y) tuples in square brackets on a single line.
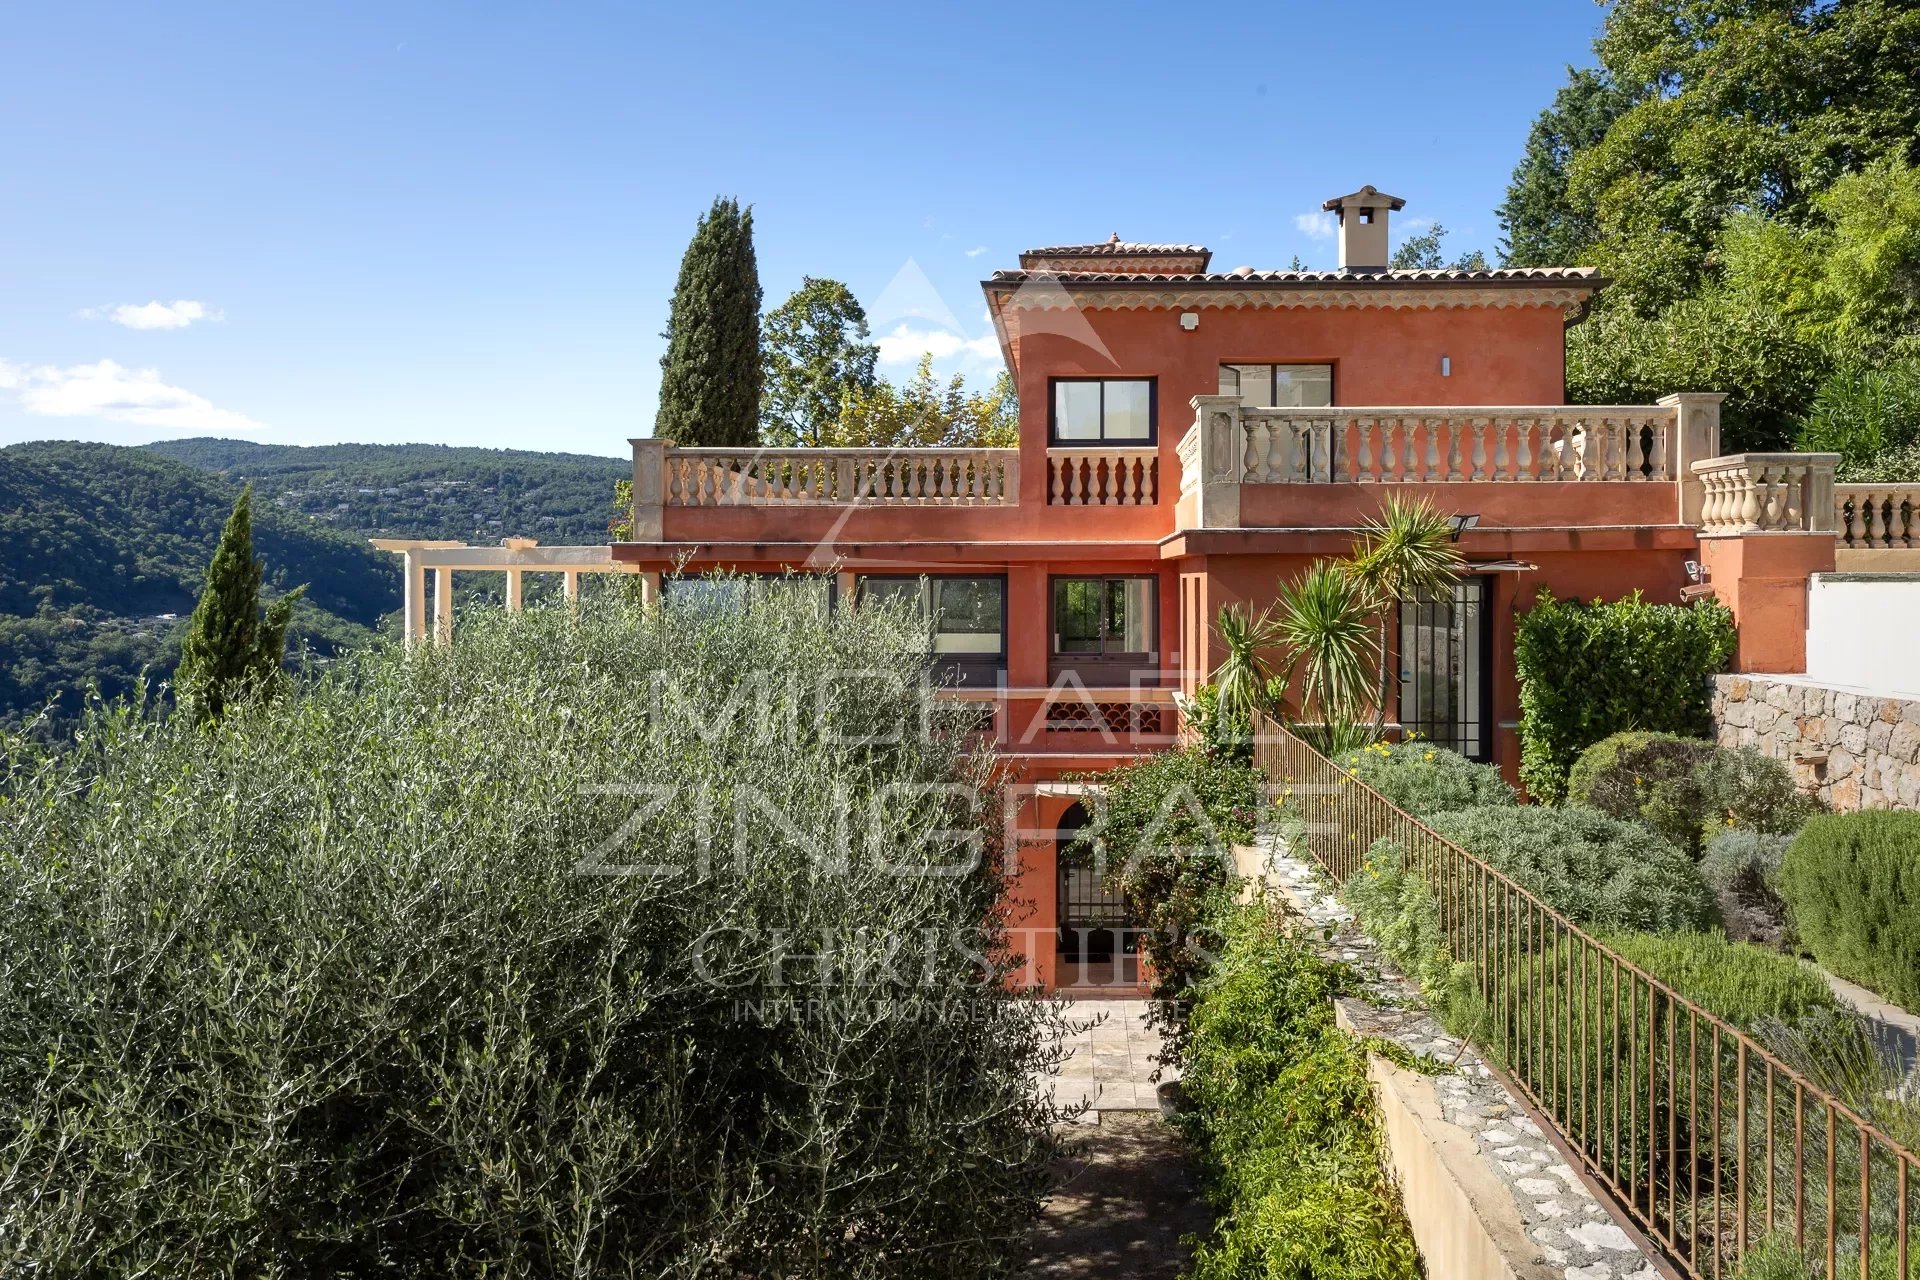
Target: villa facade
[(1188, 439)]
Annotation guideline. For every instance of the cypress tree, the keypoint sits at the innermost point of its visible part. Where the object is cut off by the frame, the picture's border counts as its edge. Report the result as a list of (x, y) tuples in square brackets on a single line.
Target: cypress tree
[(710, 376), (230, 650)]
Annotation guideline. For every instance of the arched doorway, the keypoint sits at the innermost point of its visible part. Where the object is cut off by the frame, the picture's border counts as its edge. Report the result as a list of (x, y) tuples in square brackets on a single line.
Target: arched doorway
[(1096, 947)]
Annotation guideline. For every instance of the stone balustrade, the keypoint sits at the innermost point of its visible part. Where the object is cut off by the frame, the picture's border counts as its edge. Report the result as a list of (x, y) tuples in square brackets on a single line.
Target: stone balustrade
[(1877, 516), (1434, 445), (1103, 477), (1745, 493), (818, 477)]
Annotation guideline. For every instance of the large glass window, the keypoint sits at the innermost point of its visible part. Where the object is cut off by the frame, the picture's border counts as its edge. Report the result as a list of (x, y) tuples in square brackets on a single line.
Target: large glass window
[(1278, 386), (712, 594), (1103, 410), (969, 617), (1107, 617)]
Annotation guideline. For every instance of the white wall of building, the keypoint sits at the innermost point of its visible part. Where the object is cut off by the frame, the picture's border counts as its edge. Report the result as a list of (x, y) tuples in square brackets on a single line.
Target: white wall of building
[(1863, 631)]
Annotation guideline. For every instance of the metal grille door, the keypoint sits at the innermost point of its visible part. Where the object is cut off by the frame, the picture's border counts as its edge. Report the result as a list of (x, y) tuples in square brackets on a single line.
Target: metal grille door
[(1446, 670)]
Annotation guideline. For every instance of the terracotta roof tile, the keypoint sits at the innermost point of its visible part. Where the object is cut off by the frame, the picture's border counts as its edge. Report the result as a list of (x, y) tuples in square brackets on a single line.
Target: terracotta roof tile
[(1501, 275)]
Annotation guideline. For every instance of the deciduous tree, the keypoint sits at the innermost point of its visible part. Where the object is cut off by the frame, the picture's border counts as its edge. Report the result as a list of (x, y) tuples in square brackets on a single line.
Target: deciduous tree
[(817, 354)]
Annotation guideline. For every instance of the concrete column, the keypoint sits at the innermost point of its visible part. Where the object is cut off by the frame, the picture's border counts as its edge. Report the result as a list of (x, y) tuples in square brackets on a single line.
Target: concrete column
[(415, 595), (649, 488), (443, 607), (514, 597), (649, 586), (1763, 578), (570, 584), (1222, 454), (1696, 437), (847, 586)]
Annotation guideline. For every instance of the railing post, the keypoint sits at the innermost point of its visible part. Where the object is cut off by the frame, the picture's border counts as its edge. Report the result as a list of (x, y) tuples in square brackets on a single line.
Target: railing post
[(1695, 438), (1222, 460), (649, 488)]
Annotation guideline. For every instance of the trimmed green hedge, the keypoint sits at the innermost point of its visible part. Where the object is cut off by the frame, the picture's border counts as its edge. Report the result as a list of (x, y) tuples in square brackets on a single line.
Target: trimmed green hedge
[(1283, 1114), (1425, 779), (1597, 870), (1742, 983), (1852, 883), (1591, 670)]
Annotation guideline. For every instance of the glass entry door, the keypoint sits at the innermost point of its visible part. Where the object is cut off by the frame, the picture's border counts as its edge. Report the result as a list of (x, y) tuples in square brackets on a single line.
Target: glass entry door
[(1446, 669)]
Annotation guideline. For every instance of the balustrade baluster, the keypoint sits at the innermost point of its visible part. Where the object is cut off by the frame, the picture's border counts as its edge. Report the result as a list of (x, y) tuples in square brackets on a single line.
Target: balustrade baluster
[(1878, 528), (1365, 428), (1479, 428), (1500, 458)]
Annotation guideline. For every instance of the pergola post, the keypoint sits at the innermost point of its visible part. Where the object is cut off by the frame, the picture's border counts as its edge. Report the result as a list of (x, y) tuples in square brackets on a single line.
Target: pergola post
[(570, 584), (443, 607), (514, 597), (416, 599)]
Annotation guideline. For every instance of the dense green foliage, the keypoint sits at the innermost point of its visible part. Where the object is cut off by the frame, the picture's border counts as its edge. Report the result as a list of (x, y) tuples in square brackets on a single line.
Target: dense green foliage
[(106, 551), (1424, 779), (1163, 835), (1739, 171), (711, 373), (231, 651), (1283, 1114), (1852, 882), (1649, 778), (1596, 870), (1742, 983), (1588, 671), (420, 490), (1396, 907), (424, 971), (817, 355)]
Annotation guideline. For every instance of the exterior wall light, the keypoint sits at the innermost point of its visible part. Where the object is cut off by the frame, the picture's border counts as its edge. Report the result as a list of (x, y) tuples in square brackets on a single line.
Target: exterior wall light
[(1189, 321), (1446, 366), (1457, 525)]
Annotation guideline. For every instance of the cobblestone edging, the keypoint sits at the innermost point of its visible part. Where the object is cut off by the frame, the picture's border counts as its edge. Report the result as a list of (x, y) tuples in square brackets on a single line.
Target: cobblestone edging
[(1854, 750), (1577, 1236)]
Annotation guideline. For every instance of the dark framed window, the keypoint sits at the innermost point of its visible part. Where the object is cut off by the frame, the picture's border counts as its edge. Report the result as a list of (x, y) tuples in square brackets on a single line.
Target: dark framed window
[(1103, 411), (968, 613), (1278, 386), (716, 593), (1110, 617), (1446, 669), (1105, 630)]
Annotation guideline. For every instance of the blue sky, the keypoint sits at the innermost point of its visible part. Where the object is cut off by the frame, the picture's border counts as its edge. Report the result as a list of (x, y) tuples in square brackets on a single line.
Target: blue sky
[(461, 223)]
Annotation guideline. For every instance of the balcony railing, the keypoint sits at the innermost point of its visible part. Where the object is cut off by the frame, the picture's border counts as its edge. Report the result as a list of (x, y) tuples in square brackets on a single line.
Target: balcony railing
[(1767, 493), (1877, 516), (819, 477), (1103, 477)]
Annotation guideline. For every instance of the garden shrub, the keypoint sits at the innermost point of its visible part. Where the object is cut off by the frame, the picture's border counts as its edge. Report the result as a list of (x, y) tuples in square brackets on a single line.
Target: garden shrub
[(1744, 788), (1425, 779), (1163, 835), (1740, 982), (1283, 1115), (1221, 733), (1852, 883), (1742, 867), (1591, 670), (1398, 911), (1597, 870), (373, 981), (1649, 778)]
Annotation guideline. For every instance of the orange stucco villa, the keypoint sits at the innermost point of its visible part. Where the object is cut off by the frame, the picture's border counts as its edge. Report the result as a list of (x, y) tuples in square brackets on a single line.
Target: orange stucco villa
[(1188, 438)]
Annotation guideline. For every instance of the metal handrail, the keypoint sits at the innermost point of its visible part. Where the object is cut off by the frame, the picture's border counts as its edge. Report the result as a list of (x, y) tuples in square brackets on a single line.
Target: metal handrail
[(1518, 946)]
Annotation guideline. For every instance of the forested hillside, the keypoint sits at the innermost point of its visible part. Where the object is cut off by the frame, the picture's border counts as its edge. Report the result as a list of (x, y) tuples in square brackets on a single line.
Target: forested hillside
[(421, 490), (102, 551)]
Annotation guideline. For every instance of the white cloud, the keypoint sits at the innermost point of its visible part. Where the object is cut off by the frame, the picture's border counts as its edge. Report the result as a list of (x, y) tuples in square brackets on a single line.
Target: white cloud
[(976, 251), (1417, 224), (1316, 226), (118, 394), (905, 345), (177, 314)]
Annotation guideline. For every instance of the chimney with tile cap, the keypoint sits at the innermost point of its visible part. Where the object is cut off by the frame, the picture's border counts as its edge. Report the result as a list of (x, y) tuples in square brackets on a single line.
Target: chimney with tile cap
[(1363, 227)]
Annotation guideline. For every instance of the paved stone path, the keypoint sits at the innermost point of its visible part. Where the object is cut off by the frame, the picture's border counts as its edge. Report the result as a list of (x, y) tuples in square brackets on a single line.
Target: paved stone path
[(1127, 1194), (1575, 1233), (1110, 1065)]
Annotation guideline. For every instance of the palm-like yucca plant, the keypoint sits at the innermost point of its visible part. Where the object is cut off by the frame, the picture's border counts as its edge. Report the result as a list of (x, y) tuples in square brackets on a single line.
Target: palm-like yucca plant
[(1325, 627), (1241, 678), (1405, 553)]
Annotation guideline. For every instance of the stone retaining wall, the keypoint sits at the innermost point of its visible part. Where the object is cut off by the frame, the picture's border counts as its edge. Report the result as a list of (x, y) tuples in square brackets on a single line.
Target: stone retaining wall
[(1852, 749)]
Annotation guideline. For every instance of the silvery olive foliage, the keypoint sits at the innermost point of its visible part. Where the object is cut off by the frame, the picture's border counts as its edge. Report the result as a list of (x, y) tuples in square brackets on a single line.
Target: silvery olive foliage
[(366, 982)]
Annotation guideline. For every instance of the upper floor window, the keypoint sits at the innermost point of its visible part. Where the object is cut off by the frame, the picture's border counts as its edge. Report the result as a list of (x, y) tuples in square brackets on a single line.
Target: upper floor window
[(1278, 386), (1102, 411)]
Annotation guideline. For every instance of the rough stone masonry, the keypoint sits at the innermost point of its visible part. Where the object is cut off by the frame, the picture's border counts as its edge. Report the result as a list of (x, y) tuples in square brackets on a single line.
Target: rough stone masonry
[(1853, 750)]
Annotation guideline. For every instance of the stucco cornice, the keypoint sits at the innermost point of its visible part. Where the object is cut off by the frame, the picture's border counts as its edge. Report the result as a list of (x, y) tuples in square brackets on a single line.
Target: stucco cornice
[(1064, 296)]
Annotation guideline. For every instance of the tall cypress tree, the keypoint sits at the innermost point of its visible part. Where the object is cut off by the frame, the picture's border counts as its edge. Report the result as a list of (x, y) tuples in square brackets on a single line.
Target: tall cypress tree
[(710, 376), (230, 650)]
